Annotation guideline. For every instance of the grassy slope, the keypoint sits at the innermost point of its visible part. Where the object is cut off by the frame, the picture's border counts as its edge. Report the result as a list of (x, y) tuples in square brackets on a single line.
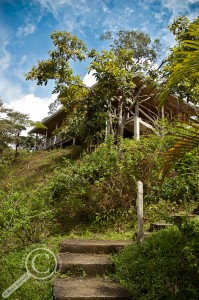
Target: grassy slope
[(30, 168), (26, 173)]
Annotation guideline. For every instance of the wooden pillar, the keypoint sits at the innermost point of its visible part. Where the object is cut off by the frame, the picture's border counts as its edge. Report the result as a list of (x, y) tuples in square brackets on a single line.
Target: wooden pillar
[(35, 145), (74, 141), (162, 112), (140, 214), (45, 144), (137, 123), (107, 129)]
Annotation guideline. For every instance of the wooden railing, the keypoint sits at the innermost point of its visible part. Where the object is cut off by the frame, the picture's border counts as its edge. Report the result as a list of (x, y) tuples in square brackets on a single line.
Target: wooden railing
[(53, 141)]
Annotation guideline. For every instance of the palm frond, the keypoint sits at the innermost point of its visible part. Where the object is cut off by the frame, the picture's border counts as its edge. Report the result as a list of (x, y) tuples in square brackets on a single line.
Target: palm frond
[(182, 63), (186, 141)]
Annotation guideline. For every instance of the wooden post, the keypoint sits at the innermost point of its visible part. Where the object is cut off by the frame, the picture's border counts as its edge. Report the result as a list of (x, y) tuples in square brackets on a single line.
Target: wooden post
[(140, 233), (162, 112), (45, 143), (137, 123), (35, 145)]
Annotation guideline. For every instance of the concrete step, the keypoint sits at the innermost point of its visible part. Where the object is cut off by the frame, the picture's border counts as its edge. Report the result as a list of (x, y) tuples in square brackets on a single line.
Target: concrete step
[(92, 246), (92, 289), (91, 264), (158, 226)]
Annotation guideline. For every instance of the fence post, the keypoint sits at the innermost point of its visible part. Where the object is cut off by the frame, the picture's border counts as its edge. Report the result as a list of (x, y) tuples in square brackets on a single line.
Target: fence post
[(140, 233)]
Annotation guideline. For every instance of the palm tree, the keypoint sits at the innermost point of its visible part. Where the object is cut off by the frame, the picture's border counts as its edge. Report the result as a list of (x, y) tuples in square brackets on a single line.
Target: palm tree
[(183, 63)]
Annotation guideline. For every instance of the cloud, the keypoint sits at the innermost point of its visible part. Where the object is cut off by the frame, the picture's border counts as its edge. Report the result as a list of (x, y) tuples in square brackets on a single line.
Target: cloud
[(25, 30), (178, 8), (89, 79), (159, 16), (35, 107), (5, 58), (77, 14), (9, 90)]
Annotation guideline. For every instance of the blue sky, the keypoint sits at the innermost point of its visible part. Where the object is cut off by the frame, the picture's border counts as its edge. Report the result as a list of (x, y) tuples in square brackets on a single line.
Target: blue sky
[(26, 25)]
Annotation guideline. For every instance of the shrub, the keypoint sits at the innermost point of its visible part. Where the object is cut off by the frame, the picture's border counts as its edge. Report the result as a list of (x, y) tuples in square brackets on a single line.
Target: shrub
[(102, 184), (164, 266)]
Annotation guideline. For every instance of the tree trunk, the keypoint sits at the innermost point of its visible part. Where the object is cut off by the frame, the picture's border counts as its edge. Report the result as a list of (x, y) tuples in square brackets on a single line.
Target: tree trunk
[(16, 145), (120, 127)]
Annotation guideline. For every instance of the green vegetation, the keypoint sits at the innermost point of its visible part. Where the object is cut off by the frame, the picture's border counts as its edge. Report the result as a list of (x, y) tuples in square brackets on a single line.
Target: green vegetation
[(164, 266), (13, 267), (98, 189), (181, 77), (132, 53), (66, 193), (49, 196), (12, 123)]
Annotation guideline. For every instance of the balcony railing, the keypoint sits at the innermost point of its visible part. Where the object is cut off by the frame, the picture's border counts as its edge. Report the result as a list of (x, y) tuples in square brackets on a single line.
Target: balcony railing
[(53, 141)]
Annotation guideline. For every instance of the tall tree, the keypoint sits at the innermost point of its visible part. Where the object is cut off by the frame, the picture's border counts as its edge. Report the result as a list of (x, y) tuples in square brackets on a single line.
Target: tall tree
[(131, 54), (12, 123)]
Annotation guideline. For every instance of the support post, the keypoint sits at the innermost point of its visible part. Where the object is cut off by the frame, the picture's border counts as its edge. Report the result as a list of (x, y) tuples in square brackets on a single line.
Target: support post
[(137, 123), (45, 143), (35, 144), (162, 112), (140, 233)]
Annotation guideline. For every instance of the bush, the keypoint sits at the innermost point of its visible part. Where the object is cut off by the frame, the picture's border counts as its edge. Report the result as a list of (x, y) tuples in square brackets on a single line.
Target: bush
[(102, 185), (98, 190), (164, 266)]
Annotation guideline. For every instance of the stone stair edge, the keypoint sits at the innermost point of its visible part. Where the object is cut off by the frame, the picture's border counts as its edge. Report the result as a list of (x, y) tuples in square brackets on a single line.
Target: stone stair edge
[(89, 288), (92, 246)]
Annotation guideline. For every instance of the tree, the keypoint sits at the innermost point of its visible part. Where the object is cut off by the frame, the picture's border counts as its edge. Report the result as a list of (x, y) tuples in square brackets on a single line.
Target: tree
[(12, 123), (131, 54), (181, 74), (182, 71)]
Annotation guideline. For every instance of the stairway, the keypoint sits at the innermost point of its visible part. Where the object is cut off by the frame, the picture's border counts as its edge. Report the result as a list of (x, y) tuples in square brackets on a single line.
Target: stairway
[(89, 257)]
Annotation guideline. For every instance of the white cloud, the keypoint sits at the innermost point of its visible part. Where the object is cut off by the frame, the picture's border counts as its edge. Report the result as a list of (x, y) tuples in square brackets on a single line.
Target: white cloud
[(181, 7), (74, 15), (159, 16), (5, 58), (89, 79), (54, 6), (35, 107), (105, 9), (128, 11), (25, 30), (9, 91)]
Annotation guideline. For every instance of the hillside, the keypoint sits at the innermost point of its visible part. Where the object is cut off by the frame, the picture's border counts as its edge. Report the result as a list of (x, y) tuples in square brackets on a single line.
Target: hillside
[(54, 192), (49, 196), (30, 168)]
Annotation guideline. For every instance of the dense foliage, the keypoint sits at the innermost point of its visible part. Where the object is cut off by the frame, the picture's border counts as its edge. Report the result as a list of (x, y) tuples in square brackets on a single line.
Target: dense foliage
[(99, 188), (165, 266), (181, 77), (181, 66)]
